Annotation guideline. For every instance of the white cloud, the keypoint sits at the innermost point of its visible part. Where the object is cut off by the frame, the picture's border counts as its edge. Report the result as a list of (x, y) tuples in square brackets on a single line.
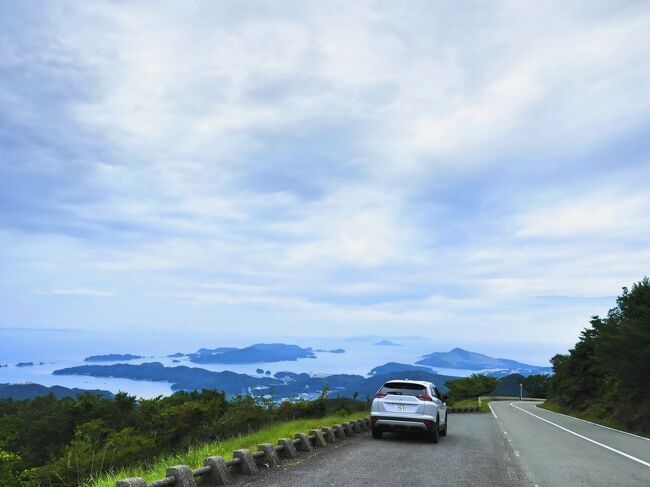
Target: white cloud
[(369, 164), (95, 293)]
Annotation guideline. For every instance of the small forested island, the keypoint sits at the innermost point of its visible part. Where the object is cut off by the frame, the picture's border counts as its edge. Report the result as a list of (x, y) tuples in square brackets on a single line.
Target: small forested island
[(258, 353), (336, 350), (112, 357), (392, 367), (458, 358), (387, 343), (25, 364)]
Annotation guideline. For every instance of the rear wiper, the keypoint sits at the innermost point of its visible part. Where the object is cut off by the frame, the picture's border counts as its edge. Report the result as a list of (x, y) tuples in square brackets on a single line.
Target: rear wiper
[(395, 393)]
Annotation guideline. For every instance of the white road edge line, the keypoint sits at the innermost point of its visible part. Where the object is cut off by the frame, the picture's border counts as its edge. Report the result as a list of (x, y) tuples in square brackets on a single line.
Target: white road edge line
[(600, 425), (492, 410), (584, 437)]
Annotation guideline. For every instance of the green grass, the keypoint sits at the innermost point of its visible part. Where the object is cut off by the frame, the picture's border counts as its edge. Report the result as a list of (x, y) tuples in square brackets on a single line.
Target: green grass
[(471, 403), (589, 416), (194, 456)]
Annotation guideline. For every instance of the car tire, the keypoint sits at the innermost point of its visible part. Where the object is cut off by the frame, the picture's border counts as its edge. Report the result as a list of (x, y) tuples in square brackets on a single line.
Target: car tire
[(443, 432), (376, 434), (433, 436)]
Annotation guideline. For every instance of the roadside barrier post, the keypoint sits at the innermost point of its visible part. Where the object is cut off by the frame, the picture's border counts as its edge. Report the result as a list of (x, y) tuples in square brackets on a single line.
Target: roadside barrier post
[(246, 461), (183, 475), (219, 473), (288, 448)]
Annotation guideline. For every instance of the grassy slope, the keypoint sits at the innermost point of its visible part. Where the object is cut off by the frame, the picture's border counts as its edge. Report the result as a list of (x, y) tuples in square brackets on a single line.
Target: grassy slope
[(589, 417), (195, 455)]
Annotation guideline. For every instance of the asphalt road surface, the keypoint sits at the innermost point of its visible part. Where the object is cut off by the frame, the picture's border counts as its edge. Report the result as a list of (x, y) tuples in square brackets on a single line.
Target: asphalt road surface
[(518, 445)]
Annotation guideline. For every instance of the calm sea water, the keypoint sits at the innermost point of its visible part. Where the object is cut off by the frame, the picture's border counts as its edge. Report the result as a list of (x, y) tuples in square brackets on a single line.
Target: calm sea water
[(55, 349)]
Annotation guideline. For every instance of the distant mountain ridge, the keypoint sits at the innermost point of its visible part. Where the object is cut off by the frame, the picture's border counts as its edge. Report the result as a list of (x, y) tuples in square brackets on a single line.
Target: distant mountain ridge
[(458, 358), (30, 391), (283, 384)]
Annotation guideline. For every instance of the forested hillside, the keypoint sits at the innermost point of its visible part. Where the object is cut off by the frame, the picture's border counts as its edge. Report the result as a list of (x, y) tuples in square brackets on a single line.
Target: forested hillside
[(65, 442), (607, 373)]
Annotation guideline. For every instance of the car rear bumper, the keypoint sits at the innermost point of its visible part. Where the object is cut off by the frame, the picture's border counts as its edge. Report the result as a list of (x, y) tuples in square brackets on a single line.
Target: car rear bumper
[(390, 423)]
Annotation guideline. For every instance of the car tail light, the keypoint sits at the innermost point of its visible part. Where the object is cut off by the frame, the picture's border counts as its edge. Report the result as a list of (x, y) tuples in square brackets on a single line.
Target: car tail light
[(425, 397), (380, 394), (429, 424)]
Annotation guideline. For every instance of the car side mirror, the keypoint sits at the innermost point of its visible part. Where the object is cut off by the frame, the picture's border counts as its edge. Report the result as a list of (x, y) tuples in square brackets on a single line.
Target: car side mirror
[(445, 398)]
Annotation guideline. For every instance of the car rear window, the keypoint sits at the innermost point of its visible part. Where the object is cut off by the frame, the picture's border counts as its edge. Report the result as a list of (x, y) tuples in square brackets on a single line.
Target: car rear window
[(402, 388)]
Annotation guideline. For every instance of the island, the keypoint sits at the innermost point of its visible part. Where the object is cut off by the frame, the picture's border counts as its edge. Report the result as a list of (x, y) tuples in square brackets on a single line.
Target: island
[(112, 357), (387, 343), (176, 355), (458, 358), (393, 367), (336, 350), (281, 385), (25, 364), (258, 353)]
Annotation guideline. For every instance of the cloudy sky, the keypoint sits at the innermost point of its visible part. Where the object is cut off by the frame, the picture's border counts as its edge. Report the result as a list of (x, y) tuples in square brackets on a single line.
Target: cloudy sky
[(477, 171)]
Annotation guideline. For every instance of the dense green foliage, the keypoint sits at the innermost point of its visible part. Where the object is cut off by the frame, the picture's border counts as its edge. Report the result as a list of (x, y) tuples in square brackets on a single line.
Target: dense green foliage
[(471, 387), (607, 373), (64, 442), (533, 385)]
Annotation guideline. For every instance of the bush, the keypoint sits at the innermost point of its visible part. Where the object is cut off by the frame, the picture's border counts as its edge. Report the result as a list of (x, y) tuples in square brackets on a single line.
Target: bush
[(62, 442)]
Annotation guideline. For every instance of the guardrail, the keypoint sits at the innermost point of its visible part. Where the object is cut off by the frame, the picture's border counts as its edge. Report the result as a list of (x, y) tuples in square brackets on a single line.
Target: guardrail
[(218, 471), (508, 398), (466, 409)]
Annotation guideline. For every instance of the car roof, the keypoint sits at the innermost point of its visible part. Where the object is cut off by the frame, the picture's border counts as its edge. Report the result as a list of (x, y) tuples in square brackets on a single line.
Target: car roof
[(420, 382)]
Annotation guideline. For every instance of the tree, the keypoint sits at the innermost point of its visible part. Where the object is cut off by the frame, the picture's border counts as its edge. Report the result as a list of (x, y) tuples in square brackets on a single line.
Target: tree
[(9, 465), (607, 371), (471, 387)]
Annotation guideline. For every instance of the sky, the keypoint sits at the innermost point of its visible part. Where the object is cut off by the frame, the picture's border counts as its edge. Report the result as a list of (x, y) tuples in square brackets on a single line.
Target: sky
[(469, 172)]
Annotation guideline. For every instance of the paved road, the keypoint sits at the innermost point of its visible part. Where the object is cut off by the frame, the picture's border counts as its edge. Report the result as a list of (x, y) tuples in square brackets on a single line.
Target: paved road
[(518, 447), (551, 455)]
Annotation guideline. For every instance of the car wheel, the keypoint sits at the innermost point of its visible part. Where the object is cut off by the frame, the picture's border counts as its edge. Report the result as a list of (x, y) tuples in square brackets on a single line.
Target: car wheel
[(376, 434), (443, 432), (433, 436)]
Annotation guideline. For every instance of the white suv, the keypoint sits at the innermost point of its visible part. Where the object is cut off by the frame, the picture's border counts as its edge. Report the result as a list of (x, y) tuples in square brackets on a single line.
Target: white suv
[(403, 405)]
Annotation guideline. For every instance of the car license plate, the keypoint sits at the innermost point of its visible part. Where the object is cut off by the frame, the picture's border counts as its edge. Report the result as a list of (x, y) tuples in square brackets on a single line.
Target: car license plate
[(400, 407)]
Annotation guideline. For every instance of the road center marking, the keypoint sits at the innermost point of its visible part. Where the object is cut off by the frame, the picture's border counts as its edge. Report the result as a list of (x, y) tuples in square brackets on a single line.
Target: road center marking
[(584, 437)]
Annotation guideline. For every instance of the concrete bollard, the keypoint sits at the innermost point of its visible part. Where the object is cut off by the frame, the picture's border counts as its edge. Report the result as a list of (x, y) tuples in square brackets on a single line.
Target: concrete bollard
[(270, 456), (355, 427), (131, 482), (319, 439), (305, 444), (182, 474), (220, 475), (329, 435), (288, 448), (339, 431), (246, 461), (348, 429)]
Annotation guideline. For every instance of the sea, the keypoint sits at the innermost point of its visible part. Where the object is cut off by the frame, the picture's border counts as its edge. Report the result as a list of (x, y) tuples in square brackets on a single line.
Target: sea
[(52, 349)]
